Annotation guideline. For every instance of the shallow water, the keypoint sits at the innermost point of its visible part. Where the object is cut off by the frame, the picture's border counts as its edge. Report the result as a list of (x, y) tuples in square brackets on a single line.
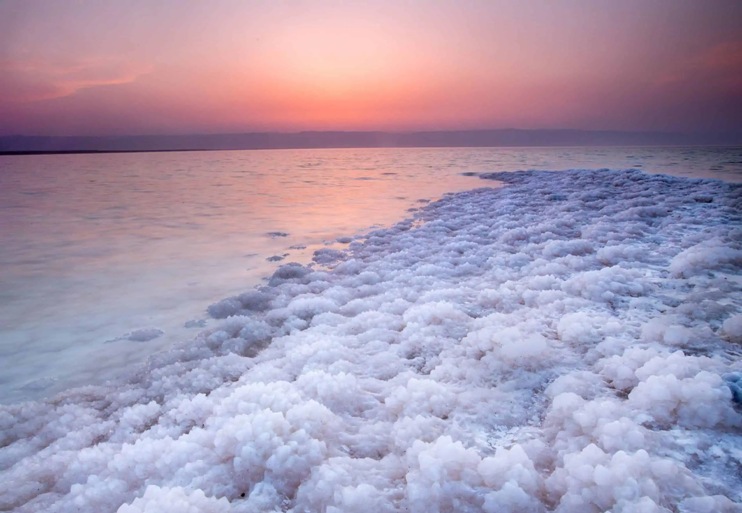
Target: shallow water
[(96, 247)]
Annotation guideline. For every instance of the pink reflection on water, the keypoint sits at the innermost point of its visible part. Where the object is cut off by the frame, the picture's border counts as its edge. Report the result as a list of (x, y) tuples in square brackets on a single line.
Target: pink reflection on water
[(95, 246)]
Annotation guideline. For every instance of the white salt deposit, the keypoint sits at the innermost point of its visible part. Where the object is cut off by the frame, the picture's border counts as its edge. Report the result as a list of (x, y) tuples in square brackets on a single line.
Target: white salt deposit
[(569, 342)]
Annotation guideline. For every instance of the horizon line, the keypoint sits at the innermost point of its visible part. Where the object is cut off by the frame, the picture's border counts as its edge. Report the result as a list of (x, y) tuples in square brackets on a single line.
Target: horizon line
[(386, 131), (327, 139)]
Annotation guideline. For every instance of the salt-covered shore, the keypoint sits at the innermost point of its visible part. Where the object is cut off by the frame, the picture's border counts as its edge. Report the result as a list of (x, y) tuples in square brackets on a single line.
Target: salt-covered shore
[(569, 342)]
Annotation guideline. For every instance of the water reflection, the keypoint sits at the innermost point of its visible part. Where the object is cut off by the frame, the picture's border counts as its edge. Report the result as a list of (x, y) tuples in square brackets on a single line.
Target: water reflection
[(96, 246)]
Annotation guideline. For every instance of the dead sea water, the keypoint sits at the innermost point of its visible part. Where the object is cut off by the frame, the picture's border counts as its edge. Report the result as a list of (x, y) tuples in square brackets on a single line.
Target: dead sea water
[(106, 259)]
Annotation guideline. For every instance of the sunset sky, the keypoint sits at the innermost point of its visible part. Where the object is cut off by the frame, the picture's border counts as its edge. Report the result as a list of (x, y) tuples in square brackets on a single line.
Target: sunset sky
[(114, 67)]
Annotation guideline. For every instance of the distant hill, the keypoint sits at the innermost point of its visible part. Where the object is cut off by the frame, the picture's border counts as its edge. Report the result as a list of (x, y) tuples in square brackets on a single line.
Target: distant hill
[(339, 139)]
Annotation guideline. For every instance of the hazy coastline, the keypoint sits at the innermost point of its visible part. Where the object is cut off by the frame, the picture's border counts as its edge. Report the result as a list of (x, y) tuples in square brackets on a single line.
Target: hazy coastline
[(367, 139)]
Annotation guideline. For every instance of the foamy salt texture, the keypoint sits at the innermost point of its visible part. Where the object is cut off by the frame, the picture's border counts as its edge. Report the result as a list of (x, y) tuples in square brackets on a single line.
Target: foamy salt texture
[(569, 342)]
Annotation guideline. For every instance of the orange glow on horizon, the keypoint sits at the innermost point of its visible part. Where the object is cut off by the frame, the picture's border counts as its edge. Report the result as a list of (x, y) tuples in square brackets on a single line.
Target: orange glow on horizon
[(330, 65)]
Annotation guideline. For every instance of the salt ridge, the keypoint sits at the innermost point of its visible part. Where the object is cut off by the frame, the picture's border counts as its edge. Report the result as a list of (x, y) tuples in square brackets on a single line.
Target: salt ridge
[(569, 342)]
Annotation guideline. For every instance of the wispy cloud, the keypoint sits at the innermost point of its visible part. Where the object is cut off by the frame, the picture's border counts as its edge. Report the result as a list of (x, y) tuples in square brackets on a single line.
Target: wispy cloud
[(34, 79), (720, 65)]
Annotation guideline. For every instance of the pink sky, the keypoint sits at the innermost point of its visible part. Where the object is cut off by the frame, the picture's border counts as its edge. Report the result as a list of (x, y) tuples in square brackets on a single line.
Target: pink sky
[(100, 67)]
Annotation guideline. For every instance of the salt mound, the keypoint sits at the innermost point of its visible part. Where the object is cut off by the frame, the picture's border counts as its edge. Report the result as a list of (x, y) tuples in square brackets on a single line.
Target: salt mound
[(569, 342)]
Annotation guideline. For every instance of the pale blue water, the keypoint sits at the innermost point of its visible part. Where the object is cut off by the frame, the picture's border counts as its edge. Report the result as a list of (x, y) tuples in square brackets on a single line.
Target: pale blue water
[(94, 247)]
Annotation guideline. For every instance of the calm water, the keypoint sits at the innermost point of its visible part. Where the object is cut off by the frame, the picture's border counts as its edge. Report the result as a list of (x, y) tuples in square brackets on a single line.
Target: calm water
[(94, 247)]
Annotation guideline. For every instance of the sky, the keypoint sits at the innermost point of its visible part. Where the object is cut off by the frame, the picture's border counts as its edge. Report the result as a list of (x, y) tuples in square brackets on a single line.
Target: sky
[(131, 67)]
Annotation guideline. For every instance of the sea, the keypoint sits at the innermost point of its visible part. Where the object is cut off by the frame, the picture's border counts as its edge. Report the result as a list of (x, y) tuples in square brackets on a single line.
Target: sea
[(108, 259)]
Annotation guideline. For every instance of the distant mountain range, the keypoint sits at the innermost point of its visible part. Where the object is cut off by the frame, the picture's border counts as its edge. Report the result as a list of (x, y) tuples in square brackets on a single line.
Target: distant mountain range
[(340, 139)]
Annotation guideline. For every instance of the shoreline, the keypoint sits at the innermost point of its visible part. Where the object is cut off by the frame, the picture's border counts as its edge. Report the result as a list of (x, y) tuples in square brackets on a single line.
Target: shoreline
[(50, 346)]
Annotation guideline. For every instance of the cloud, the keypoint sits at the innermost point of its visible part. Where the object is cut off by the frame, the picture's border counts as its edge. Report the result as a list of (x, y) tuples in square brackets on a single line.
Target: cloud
[(726, 56), (720, 65), (33, 79)]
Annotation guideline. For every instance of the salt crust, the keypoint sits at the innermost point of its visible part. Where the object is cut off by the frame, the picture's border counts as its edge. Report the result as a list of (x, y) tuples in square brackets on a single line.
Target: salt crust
[(569, 342)]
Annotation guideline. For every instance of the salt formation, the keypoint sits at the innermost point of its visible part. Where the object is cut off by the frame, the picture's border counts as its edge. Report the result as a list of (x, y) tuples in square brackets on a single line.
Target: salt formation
[(569, 342)]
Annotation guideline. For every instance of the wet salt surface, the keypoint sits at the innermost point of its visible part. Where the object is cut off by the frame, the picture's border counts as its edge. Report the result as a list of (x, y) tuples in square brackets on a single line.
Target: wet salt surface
[(569, 342)]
